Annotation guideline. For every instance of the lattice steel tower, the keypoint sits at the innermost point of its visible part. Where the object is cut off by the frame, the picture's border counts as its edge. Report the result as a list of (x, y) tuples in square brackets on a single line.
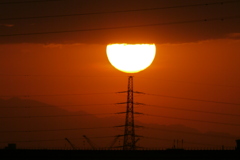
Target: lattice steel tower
[(129, 131)]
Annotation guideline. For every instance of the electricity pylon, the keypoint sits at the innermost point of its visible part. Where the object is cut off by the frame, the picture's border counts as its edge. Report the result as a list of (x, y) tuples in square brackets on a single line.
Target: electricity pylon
[(129, 141), (129, 131)]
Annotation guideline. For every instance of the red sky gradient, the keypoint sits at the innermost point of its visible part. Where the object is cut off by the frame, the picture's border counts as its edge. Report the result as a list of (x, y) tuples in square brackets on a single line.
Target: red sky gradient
[(198, 70), (194, 60)]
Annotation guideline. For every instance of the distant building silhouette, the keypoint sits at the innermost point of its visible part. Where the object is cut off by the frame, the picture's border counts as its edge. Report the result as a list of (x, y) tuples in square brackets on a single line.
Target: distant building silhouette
[(11, 146), (238, 144)]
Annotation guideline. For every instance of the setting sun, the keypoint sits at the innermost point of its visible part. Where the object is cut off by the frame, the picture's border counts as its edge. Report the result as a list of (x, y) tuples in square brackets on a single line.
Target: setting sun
[(131, 58)]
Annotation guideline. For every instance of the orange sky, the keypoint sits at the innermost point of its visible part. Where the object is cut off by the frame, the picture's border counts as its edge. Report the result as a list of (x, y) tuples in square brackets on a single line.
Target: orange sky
[(206, 70), (197, 57)]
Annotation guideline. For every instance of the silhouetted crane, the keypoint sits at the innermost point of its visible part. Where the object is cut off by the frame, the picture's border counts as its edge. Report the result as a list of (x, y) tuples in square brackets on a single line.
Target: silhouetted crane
[(137, 140), (70, 143), (89, 142), (115, 140)]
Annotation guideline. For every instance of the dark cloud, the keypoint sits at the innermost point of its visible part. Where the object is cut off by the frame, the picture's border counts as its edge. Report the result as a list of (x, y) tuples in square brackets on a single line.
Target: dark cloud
[(175, 25)]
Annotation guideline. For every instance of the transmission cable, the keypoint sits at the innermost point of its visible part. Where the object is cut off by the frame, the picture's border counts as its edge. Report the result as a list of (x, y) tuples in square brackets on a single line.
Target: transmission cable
[(184, 141), (54, 106), (47, 116), (125, 27), (54, 130), (121, 11), (193, 110), (46, 140), (50, 75), (193, 133), (43, 95), (202, 121), (35, 1), (187, 82), (193, 99)]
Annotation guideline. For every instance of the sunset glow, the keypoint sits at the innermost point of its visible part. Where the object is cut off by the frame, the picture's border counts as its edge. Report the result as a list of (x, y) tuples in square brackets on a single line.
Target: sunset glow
[(131, 58), (104, 68)]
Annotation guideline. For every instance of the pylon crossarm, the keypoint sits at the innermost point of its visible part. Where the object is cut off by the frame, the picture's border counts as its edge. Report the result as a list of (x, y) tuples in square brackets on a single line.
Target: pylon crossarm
[(122, 103), (122, 92), (138, 113), (120, 126), (139, 92), (120, 112), (137, 103)]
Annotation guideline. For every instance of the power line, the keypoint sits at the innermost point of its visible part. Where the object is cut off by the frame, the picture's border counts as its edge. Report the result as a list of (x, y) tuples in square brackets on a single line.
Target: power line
[(120, 11), (124, 27), (184, 141), (54, 130), (192, 99), (46, 140), (79, 76), (200, 134), (54, 106), (36, 1), (47, 116), (193, 110), (203, 144), (28, 141), (44, 95), (221, 123), (42, 75), (188, 82)]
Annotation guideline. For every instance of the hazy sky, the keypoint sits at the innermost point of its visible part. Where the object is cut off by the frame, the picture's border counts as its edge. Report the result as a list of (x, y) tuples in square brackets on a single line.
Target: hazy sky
[(48, 48)]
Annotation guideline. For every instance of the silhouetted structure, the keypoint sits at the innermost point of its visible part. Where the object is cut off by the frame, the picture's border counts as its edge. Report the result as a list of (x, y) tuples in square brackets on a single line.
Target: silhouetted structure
[(89, 142), (11, 146), (129, 132), (73, 147), (238, 144)]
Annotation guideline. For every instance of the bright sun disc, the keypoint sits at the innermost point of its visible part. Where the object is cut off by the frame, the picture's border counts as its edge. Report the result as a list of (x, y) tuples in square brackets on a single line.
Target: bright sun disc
[(131, 58)]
